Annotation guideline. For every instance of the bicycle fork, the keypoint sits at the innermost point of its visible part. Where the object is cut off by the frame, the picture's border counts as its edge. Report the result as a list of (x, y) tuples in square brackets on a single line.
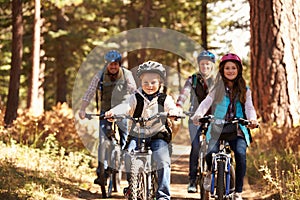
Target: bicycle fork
[(226, 158)]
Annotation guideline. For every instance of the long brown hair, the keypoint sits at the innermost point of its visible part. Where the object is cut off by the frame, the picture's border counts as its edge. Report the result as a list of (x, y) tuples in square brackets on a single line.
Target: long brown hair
[(239, 84)]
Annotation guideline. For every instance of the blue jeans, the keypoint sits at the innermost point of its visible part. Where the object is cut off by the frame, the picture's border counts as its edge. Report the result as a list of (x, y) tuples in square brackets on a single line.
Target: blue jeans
[(160, 154), (239, 147), (194, 154)]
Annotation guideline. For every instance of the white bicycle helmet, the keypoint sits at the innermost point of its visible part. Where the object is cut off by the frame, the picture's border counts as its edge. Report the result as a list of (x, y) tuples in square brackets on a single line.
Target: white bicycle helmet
[(151, 66)]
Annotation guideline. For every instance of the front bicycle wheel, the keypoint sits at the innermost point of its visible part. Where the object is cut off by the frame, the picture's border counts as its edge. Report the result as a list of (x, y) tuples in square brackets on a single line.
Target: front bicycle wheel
[(103, 181), (116, 170), (220, 190), (204, 195), (154, 185), (138, 181)]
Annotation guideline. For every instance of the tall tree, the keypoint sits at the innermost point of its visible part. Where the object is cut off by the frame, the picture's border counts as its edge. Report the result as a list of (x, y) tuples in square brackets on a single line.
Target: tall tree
[(203, 20), (275, 55), (16, 62), (36, 100), (61, 58)]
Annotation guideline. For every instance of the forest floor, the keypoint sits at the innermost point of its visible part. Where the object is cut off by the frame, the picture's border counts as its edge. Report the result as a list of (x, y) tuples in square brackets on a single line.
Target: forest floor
[(179, 182)]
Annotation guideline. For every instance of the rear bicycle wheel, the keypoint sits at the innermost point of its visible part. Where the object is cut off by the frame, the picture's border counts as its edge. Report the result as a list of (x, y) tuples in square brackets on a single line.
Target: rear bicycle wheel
[(220, 189)]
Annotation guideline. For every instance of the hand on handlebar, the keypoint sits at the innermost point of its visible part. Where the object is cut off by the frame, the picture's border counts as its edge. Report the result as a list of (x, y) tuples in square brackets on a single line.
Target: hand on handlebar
[(81, 114), (195, 119), (109, 116), (253, 124)]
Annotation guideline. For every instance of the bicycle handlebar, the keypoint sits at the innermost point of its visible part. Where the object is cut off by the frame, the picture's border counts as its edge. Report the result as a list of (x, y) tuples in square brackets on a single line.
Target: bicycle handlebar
[(211, 118), (137, 119)]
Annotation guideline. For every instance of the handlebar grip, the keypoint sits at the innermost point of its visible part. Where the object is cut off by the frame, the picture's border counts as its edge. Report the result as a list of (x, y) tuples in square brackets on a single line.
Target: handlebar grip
[(90, 116)]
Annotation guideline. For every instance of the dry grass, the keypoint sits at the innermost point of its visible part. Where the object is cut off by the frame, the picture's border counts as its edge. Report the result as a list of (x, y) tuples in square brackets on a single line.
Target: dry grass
[(274, 158)]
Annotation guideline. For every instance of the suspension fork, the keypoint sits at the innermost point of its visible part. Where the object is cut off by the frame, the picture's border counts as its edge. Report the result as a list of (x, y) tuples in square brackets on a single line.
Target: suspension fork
[(227, 171)]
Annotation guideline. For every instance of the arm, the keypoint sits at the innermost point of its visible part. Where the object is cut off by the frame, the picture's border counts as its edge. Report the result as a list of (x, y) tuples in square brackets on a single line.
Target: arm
[(89, 95), (126, 107), (203, 107), (250, 110), (170, 106), (184, 93), (131, 85)]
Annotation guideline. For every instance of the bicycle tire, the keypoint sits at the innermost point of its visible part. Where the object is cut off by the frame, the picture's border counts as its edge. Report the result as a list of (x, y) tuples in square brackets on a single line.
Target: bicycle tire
[(103, 181), (154, 185), (137, 182), (232, 179), (202, 169), (116, 173), (220, 190), (204, 195)]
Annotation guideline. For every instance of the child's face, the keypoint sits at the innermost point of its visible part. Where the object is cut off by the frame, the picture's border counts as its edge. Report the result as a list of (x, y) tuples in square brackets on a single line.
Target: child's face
[(205, 67), (150, 82), (230, 70)]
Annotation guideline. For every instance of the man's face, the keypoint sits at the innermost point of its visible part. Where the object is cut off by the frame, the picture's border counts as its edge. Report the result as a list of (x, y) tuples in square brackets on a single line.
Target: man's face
[(113, 67), (150, 82)]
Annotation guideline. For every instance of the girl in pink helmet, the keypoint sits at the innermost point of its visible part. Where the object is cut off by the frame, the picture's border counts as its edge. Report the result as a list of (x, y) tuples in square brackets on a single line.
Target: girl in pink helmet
[(230, 99)]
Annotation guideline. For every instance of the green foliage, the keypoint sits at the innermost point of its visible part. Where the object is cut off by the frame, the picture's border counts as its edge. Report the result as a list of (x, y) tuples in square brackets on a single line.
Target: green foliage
[(85, 25)]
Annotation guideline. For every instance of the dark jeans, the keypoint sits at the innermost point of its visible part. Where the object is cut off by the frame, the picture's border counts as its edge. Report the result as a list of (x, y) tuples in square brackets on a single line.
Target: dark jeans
[(239, 147), (194, 154)]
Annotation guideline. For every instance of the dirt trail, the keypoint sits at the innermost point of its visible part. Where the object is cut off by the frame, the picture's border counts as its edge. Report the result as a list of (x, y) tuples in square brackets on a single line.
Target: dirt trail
[(179, 181)]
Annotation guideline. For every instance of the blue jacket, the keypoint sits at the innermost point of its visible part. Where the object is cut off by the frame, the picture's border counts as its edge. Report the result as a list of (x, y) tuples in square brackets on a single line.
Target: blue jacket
[(220, 112)]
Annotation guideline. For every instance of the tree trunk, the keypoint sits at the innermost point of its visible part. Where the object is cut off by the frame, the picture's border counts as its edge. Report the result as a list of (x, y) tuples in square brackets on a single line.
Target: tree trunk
[(275, 60), (61, 60), (16, 62), (203, 20), (36, 98)]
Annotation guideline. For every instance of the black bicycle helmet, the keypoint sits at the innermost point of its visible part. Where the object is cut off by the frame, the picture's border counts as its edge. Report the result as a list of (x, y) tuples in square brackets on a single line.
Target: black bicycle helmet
[(113, 56), (206, 55), (151, 66)]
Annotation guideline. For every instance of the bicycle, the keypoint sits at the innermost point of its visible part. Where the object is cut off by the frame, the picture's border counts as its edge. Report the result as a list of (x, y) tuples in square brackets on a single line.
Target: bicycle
[(202, 165), (143, 181), (202, 168), (110, 175), (222, 184)]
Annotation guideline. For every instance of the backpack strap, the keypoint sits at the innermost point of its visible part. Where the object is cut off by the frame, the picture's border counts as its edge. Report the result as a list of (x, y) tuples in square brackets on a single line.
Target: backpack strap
[(139, 105), (99, 88), (161, 101)]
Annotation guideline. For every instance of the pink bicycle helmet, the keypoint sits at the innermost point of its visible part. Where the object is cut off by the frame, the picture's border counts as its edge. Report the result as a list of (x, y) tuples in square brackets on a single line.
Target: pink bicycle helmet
[(234, 58), (231, 57)]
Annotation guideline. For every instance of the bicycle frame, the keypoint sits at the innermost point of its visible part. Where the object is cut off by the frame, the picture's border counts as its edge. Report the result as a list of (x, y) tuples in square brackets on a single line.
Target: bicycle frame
[(222, 158), (141, 164)]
